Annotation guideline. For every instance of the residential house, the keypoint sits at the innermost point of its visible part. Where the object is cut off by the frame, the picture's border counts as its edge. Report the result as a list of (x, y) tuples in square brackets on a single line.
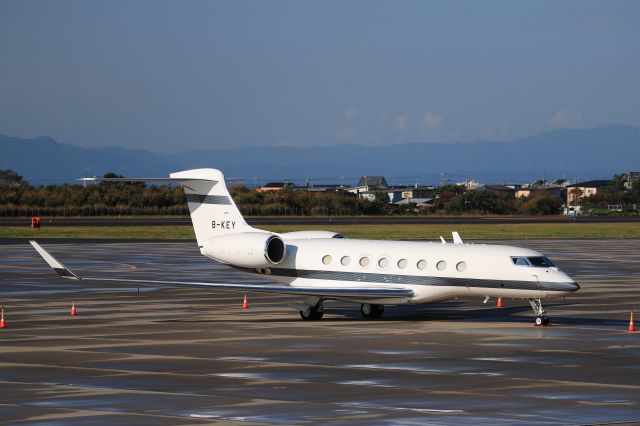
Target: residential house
[(399, 193), (583, 189), (554, 190), (631, 179), (498, 189), (419, 202), (276, 186), (368, 185)]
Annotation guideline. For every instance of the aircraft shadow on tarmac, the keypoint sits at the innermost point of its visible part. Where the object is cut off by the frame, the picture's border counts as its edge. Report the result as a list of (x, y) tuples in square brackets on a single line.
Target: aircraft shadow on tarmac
[(431, 312)]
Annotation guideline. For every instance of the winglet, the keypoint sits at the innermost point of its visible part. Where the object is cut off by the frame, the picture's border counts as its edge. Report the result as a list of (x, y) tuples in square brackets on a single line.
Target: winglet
[(457, 239), (62, 270)]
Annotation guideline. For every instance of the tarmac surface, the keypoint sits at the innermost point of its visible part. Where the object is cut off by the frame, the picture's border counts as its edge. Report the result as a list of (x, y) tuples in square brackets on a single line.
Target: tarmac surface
[(318, 220), (192, 356)]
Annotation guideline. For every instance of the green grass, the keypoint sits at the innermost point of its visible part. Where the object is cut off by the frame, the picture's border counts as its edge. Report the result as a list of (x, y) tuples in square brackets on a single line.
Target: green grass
[(382, 231), (483, 231), (136, 232)]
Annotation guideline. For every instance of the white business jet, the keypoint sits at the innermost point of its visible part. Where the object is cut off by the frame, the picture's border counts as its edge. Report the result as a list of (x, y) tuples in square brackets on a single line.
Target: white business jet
[(322, 265)]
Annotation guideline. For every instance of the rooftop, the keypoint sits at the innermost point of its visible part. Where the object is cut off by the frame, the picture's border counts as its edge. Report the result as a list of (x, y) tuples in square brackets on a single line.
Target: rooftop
[(417, 201), (278, 185), (378, 181), (591, 184)]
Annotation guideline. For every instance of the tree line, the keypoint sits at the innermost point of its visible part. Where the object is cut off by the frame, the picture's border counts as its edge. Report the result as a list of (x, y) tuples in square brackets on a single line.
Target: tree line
[(18, 198), (455, 199), (615, 193)]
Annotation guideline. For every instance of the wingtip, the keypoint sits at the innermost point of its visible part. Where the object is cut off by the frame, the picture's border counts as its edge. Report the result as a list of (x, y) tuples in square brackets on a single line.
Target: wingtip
[(54, 263)]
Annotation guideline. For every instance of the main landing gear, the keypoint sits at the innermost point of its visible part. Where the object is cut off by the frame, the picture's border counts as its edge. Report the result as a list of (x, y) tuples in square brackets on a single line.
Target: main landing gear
[(313, 313), (371, 311), (542, 319)]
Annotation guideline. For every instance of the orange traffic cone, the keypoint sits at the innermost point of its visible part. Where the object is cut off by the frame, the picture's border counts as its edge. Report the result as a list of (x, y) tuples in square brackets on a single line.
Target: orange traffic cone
[(245, 304), (632, 327), (3, 324), (499, 305), (73, 309)]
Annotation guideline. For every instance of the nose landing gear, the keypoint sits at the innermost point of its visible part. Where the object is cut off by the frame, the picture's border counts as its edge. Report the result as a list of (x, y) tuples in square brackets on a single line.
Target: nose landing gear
[(542, 319)]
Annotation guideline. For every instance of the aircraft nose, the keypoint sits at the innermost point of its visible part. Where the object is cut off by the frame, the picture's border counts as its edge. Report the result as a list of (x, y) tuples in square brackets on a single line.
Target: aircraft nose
[(569, 283)]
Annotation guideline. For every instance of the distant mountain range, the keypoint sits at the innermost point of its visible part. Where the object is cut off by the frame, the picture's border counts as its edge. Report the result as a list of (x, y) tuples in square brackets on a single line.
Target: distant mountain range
[(592, 153)]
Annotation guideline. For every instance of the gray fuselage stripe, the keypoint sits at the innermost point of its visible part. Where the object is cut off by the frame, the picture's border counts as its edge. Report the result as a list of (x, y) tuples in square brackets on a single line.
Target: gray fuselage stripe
[(208, 199), (418, 280)]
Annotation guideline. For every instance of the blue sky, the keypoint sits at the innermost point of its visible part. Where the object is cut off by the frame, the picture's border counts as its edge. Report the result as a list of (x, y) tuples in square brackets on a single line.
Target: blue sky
[(179, 75)]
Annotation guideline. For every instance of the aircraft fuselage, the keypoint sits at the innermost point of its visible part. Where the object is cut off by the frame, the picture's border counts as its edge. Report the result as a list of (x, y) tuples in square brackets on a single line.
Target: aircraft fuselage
[(434, 271)]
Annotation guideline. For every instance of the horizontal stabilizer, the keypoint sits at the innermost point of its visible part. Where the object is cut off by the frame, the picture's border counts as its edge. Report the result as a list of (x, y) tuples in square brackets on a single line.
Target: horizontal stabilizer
[(166, 179)]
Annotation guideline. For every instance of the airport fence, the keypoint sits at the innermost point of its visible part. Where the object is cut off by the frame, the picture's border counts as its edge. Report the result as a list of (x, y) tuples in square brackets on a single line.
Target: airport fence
[(91, 211), (106, 211)]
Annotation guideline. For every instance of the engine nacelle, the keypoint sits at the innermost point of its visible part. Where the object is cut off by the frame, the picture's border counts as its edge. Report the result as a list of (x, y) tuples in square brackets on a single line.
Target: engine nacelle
[(246, 249), (307, 235)]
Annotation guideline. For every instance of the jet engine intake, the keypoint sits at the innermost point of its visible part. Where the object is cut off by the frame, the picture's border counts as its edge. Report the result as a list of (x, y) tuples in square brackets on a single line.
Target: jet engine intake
[(246, 249)]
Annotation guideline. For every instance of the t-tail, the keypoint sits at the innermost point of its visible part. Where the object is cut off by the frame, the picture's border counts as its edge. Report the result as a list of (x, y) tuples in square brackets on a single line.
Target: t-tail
[(221, 231), (213, 211)]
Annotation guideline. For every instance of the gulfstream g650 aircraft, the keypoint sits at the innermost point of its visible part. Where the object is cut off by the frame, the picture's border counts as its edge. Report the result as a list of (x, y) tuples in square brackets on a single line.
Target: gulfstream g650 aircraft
[(322, 265)]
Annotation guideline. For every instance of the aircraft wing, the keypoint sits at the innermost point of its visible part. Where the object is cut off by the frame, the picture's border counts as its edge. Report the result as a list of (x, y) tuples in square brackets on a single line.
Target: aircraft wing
[(331, 292)]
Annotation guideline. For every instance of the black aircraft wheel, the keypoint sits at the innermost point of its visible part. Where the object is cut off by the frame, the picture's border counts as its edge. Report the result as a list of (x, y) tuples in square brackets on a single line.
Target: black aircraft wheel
[(542, 320), (366, 309), (378, 310), (311, 315), (314, 314), (372, 311)]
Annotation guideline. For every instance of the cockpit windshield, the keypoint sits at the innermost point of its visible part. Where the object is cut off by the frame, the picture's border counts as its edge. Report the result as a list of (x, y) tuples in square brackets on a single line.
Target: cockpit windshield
[(536, 262), (540, 262), (520, 261)]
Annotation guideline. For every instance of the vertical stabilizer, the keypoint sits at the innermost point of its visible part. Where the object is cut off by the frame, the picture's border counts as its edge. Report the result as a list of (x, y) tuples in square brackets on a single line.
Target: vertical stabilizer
[(213, 211)]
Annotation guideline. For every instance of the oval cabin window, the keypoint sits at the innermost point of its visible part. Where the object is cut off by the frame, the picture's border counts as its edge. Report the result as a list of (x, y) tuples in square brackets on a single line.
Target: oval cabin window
[(364, 261), (383, 262), (421, 264), (326, 259), (441, 266), (402, 263), (345, 260), (461, 266)]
